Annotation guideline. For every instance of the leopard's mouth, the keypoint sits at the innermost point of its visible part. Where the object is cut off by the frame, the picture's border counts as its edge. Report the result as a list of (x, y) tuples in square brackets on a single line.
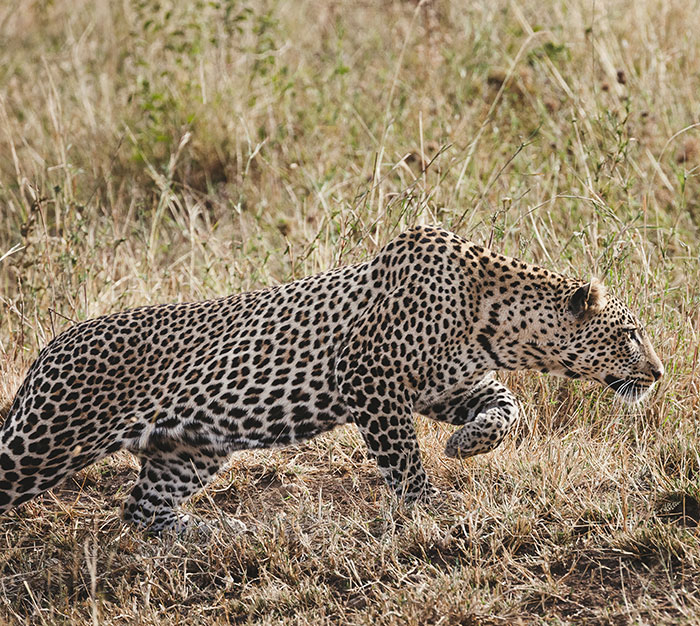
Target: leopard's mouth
[(629, 389)]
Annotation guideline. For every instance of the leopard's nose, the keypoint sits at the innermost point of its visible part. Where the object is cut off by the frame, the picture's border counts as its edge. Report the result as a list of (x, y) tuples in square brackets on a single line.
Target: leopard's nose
[(657, 372)]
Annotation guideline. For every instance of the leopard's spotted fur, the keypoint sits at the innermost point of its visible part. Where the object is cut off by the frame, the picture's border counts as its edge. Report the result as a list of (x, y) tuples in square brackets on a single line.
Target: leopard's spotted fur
[(420, 328)]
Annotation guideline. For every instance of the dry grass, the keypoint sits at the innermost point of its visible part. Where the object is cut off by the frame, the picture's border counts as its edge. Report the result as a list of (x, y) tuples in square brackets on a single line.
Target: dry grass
[(155, 152)]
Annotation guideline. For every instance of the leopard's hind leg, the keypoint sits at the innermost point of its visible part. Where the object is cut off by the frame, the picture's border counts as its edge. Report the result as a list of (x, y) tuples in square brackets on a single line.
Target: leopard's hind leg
[(35, 459), (170, 473)]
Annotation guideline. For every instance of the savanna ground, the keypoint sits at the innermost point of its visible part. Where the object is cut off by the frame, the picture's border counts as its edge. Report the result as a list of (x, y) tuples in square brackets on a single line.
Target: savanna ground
[(168, 151)]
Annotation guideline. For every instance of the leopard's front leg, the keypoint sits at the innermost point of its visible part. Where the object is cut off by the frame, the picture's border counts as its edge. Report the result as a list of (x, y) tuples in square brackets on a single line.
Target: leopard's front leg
[(372, 381), (486, 413), (386, 425), (391, 439)]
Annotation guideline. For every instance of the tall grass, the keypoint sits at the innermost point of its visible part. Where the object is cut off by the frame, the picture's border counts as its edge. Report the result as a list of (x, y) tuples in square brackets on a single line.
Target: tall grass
[(169, 151)]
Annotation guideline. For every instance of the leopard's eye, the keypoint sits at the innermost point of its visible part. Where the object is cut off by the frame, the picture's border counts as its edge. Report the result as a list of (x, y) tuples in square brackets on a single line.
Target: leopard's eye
[(632, 333)]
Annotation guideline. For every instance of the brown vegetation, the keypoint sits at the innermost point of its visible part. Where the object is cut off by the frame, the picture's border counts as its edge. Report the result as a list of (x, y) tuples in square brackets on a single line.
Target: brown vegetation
[(167, 151)]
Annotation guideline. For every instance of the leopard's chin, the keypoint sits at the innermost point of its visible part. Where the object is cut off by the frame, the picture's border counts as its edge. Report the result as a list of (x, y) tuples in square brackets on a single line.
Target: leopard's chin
[(629, 390)]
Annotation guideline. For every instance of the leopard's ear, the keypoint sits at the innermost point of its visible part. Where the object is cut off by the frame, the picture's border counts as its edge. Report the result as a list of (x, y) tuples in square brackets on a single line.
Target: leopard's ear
[(588, 300)]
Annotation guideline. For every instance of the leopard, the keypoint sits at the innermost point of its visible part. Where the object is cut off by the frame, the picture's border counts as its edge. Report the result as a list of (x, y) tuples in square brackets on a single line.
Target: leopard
[(421, 328)]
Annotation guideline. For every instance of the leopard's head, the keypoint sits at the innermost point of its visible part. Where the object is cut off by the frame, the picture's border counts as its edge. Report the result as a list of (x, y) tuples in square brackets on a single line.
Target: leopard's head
[(606, 342)]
